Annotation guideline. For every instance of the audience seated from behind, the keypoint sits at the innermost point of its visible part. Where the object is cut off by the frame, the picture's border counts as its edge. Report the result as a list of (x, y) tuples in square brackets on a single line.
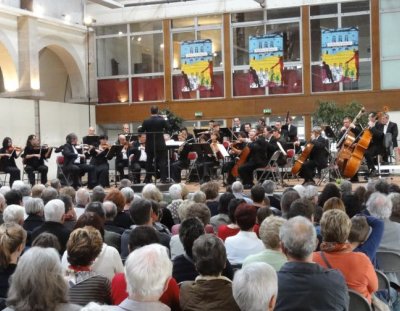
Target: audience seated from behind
[(269, 235), (111, 212), (82, 198), (43, 287), (222, 218), (231, 229), (147, 272), (269, 188), (70, 214), (336, 253), (210, 290), (211, 189), (141, 236), (34, 208), (175, 193), (303, 284), (122, 218), (84, 245), (108, 262), (246, 242), (255, 287)]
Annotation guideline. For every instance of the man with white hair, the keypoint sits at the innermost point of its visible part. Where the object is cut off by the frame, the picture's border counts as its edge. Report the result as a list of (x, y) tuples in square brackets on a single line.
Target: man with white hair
[(255, 287), (14, 214), (54, 212), (82, 198), (301, 282), (269, 187), (175, 192), (147, 271), (111, 211), (237, 191)]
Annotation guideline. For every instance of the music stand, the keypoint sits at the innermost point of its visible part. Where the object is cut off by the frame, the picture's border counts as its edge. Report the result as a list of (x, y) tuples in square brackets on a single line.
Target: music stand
[(91, 140), (113, 151), (130, 137)]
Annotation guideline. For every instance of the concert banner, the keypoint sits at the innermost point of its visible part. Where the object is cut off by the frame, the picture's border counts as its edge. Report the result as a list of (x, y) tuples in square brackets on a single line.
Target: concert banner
[(266, 60), (197, 65), (340, 58)]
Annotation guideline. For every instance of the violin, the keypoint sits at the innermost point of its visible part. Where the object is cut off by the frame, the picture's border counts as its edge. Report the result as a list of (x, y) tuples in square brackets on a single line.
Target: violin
[(105, 146)]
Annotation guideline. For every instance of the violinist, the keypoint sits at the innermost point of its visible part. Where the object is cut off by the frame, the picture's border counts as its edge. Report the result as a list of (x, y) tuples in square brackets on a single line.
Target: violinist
[(277, 142), (138, 158), (75, 163), (318, 158), (182, 154), (256, 159), (100, 162), (122, 158), (34, 155), (208, 161), (235, 150), (376, 146), (8, 154)]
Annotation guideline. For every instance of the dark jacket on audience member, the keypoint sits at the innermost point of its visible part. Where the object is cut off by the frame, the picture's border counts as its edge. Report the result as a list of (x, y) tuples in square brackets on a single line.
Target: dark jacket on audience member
[(32, 222), (110, 226), (183, 269), (55, 228), (4, 279), (123, 220), (308, 286), (207, 294)]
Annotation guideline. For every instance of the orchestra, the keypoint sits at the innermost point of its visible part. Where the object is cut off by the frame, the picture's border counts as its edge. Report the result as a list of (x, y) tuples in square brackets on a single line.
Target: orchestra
[(237, 155)]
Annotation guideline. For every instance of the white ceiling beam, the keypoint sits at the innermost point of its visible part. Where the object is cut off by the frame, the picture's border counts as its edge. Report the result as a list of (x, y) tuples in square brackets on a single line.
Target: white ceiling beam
[(109, 3)]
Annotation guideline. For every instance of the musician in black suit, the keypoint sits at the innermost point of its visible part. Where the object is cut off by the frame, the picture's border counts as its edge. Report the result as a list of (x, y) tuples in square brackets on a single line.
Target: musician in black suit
[(100, 161), (34, 156), (318, 158), (138, 158), (278, 142), (155, 145), (289, 131), (348, 126), (376, 146), (122, 158), (256, 159), (8, 154), (390, 130), (74, 163), (237, 127)]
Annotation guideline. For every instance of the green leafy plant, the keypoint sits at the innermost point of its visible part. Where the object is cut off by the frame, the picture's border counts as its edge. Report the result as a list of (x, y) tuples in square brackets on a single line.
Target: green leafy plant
[(174, 121)]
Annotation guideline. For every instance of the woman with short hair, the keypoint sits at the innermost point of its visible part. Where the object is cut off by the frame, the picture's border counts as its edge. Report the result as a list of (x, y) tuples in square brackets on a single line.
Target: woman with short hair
[(83, 246)]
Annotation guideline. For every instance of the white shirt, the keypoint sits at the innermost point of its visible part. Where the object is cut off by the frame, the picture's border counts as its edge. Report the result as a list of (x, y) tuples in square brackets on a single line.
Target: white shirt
[(108, 263), (143, 154), (78, 159), (385, 128), (241, 245)]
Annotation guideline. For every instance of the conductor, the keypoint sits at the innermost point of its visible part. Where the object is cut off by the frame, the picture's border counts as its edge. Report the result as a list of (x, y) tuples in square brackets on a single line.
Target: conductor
[(154, 128)]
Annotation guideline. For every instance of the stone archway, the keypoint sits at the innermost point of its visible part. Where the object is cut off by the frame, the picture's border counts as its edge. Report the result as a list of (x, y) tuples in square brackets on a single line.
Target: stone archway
[(8, 60)]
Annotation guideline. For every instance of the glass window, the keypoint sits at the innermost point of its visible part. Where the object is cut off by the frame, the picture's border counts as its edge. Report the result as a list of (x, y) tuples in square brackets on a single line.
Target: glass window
[(291, 39), (146, 26), (112, 56), (390, 40), (209, 20), (113, 90), (323, 9), (357, 6), (111, 30), (316, 26), (283, 13), (390, 70), (183, 22), (389, 4), (148, 88), (241, 43), (147, 53), (215, 36), (363, 24), (247, 17), (364, 80)]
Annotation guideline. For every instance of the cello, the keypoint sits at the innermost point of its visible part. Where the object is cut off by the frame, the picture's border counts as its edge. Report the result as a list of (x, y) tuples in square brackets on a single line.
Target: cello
[(302, 158), (242, 159)]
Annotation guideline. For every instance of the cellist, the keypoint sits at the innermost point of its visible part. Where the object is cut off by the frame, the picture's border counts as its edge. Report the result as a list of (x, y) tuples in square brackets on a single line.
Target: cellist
[(235, 150), (318, 158), (376, 146)]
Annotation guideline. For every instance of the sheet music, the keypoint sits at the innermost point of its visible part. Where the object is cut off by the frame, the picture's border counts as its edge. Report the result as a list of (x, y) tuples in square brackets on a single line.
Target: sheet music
[(281, 148), (223, 151), (174, 143)]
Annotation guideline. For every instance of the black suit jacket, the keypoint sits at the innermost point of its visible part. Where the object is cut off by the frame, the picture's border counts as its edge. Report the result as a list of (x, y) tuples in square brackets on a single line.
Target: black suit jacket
[(290, 135), (377, 138), (258, 152), (392, 128), (319, 153), (55, 228), (69, 155), (155, 141)]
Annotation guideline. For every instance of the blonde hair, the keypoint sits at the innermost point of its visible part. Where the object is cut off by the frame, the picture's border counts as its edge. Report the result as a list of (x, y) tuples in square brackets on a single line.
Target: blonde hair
[(12, 236), (335, 226), (334, 203), (269, 231)]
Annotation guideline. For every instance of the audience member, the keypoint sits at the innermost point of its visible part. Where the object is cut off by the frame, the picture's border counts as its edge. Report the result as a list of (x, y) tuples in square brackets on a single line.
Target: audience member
[(269, 234), (49, 194), (54, 217), (395, 198), (210, 290), (70, 215), (199, 197), (237, 191), (2, 207), (82, 198), (211, 189), (12, 243), (303, 284), (255, 287), (43, 287), (151, 192), (225, 231), (46, 240), (124, 183), (111, 212), (336, 253), (13, 197), (246, 242), (26, 192), (222, 218), (83, 247), (98, 194), (269, 187), (288, 197), (34, 208), (258, 195), (14, 214), (334, 203), (329, 191), (302, 207), (69, 190), (129, 196), (37, 190), (122, 218), (147, 272), (346, 187), (56, 184), (175, 193)]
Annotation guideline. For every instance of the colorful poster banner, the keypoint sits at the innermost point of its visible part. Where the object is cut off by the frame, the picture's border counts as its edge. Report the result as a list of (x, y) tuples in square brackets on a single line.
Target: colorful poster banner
[(197, 65), (340, 58), (266, 60)]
